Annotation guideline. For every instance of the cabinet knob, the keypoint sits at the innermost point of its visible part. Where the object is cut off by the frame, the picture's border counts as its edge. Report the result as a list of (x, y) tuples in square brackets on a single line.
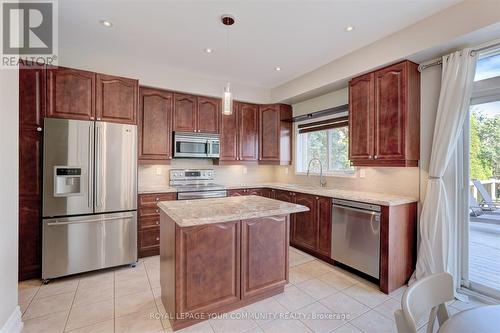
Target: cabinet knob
[(157, 199), (352, 163), (38, 129), (157, 222), (317, 198), (375, 157), (91, 118), (157, 210), (98, 118), (157, 238), (370, 157)]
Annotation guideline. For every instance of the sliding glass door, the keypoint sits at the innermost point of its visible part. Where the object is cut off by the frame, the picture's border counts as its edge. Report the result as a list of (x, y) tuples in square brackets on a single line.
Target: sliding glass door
[(481, 253)]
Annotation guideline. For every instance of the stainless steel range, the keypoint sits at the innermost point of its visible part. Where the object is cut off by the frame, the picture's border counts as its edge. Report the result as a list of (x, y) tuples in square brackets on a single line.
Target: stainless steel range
[(195, 184)]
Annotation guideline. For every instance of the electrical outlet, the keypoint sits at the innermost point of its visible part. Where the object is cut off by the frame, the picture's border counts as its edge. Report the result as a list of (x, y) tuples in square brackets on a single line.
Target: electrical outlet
[(158, 171)]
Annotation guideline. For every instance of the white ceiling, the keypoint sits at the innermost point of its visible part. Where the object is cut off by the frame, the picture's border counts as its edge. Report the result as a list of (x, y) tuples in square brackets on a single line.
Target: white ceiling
[(298, 36)]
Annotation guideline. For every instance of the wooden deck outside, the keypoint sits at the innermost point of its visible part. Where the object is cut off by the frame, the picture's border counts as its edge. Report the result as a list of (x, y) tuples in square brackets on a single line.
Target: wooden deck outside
[(484, 250)]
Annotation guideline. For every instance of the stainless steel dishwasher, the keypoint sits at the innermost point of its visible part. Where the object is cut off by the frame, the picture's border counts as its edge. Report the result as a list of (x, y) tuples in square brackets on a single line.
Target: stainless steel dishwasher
[(356, 235)]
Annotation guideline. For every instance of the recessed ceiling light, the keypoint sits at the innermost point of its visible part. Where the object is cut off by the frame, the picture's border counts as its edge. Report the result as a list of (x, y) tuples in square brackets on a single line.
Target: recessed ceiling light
[(349, 28), (106, 23), (208, 50), (277, 68)]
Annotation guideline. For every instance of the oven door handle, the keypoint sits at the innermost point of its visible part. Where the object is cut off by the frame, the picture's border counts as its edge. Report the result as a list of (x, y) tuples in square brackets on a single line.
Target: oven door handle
[(370, 212), (201, 195)]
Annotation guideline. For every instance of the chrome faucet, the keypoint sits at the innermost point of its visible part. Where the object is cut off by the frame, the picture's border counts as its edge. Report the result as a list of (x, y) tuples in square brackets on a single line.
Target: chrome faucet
[(322, 180)]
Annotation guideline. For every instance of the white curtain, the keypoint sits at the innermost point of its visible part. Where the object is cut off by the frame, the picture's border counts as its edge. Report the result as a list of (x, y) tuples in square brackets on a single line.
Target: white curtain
[(438, 239)]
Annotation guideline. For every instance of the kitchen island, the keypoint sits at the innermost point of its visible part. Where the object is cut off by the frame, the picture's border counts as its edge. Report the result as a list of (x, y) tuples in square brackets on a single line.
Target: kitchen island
[(217, 255)]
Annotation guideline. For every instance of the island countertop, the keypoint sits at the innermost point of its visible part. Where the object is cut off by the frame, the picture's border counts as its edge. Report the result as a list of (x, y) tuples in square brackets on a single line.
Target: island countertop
[(188, 213)]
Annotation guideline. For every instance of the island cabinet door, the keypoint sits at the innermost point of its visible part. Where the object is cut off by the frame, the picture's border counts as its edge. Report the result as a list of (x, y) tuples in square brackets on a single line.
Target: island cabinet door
[(264, 255), (207, 267)]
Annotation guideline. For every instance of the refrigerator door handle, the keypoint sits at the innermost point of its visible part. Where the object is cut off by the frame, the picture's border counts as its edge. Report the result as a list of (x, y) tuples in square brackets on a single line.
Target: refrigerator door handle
[(89, 170), (97, 166)]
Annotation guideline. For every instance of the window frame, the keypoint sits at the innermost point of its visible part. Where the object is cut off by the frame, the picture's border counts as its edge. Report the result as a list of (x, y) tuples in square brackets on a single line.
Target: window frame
[(300, 166)]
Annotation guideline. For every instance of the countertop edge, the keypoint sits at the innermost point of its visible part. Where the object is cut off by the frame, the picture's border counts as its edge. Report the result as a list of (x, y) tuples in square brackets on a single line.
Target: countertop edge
[(398, 200)]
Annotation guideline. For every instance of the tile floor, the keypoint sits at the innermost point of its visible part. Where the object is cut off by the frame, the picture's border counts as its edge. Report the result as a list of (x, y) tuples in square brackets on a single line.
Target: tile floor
[(124, 300)]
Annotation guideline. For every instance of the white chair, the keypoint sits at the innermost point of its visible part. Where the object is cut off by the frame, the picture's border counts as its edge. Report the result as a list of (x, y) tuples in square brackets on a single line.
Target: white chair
[(426, 295)]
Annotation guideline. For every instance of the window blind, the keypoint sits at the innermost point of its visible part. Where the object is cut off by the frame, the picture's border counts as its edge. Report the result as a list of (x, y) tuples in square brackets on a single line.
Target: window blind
[(323, 124)]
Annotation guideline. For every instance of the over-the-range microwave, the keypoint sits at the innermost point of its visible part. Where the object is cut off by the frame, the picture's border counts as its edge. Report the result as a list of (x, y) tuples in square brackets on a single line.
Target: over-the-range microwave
[(196, 145)]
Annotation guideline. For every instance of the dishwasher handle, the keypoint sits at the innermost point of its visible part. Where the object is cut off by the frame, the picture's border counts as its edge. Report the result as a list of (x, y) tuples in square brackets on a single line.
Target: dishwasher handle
[(371, 212)]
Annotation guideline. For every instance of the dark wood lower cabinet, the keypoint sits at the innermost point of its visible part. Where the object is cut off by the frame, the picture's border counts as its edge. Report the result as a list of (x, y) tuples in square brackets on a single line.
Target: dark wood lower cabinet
[(216, 268), (148, 223), (264, 255), (30, 231), (208, 258), (305, 230)]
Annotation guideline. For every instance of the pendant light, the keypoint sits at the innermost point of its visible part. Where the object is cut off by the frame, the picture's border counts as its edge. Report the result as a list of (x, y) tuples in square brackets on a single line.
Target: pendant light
[(227, 96)]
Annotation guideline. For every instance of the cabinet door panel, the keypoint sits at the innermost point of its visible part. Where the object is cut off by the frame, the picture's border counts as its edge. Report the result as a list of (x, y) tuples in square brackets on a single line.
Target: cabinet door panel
[(208, 115), (264, 255), (361, 110), (70, 93), (208, 266), (248, 116), (184, 113), (324, 206), (155, 125), (269, 149), (305, 228), (284, 196), (30, 162), (30, 243), (229, 136), (116, 99), (31, 96), (390, 106)]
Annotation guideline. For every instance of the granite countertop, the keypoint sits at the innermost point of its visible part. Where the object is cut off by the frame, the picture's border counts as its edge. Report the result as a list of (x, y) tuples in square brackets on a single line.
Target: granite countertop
[(361, 196), (188, 213)]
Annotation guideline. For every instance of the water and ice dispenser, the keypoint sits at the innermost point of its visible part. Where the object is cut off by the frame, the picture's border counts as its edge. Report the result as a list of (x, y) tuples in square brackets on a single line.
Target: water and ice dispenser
[(67, 181)]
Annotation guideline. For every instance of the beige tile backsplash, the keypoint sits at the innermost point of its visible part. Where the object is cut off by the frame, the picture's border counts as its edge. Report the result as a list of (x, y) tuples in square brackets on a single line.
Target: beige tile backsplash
[(402, 181)]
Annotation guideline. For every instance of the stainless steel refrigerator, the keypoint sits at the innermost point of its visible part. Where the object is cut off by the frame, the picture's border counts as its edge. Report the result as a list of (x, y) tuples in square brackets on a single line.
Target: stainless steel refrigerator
[(89, 196)]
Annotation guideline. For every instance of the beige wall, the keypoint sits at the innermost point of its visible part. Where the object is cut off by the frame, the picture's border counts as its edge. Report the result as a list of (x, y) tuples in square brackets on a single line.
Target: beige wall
[(323, 102), (8, 195)]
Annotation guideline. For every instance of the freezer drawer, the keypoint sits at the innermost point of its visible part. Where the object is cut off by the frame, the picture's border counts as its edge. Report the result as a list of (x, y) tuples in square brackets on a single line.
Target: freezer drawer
[(85, 243)]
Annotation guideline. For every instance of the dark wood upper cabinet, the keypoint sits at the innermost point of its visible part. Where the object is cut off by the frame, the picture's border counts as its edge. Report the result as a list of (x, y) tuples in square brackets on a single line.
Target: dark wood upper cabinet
[(240, 134), (207, 119), (361, 114), (32, 97), (384, 117), (229, 136), (185, 113), (155, 125), (116, 99), (248, 131), (390, 112), (275, 133), (70, 93)]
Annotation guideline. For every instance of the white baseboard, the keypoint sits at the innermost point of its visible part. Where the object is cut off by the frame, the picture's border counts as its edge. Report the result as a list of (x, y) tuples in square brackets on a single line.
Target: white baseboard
[(14, 324)]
